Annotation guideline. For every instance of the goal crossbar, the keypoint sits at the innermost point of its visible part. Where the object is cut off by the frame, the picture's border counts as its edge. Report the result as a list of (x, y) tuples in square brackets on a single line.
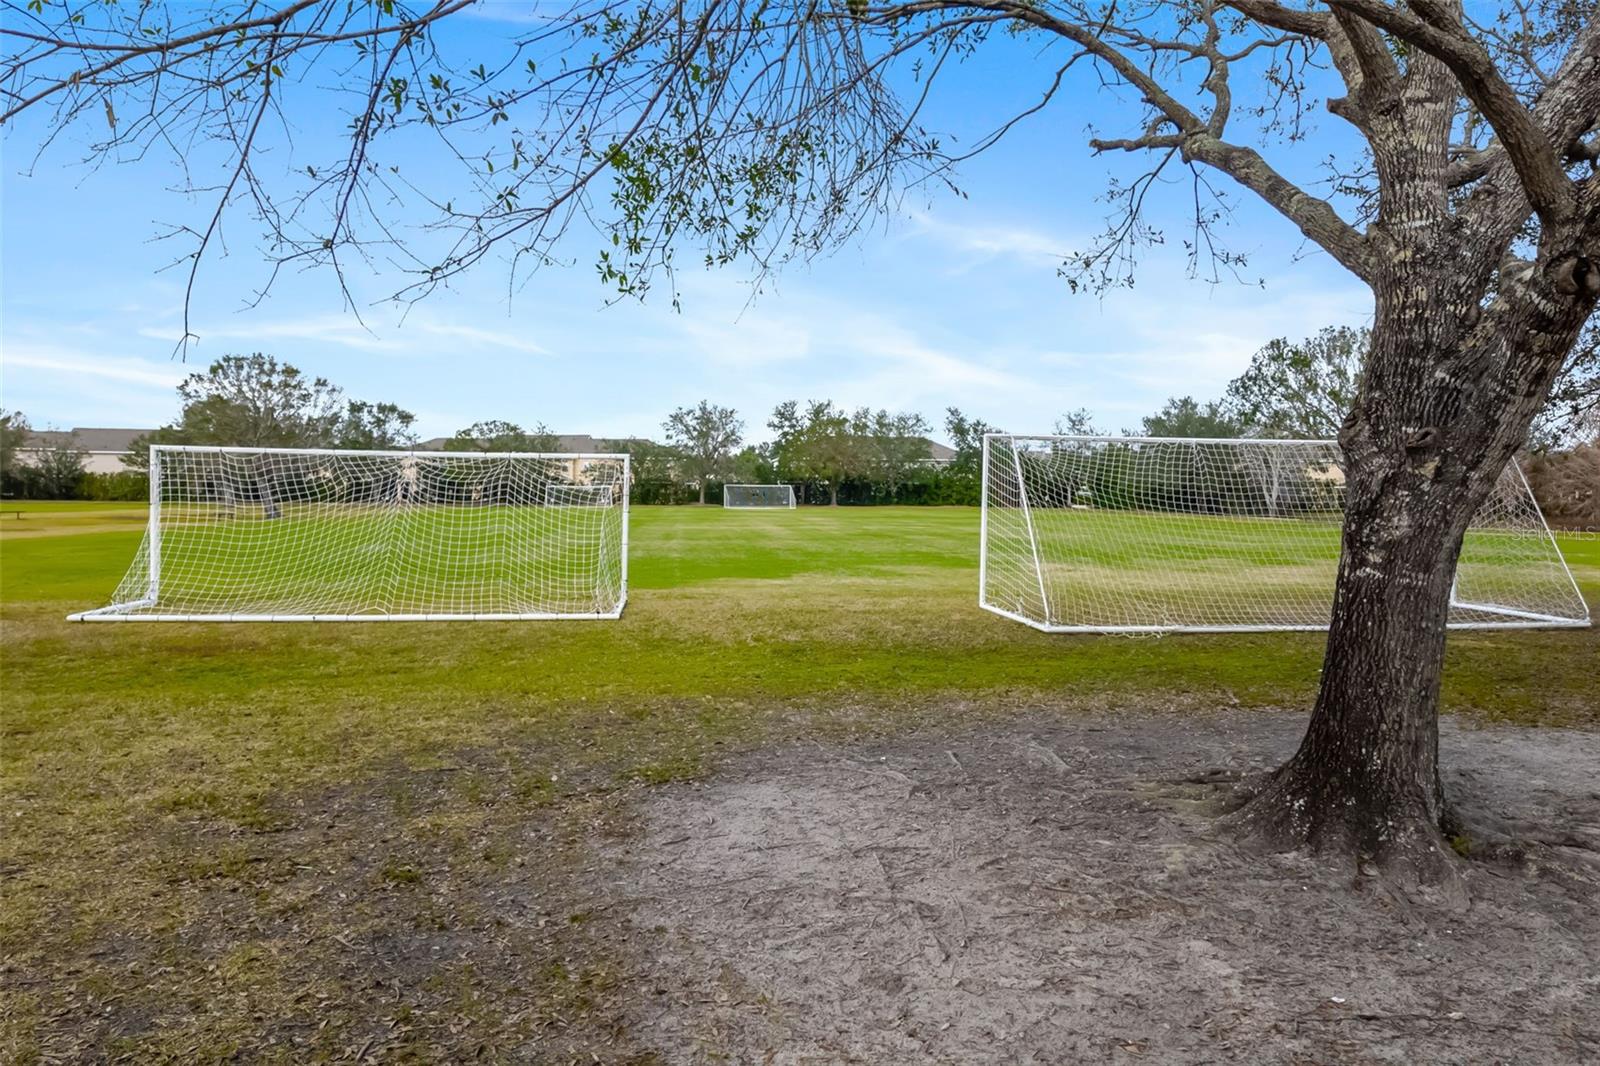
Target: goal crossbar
[(1100, 534), (245, 534)]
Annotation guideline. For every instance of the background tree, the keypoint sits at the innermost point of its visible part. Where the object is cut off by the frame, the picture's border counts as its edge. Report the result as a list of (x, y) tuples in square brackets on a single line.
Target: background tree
[(756, 464), (1183, 416), (705, 436), (495, 435), (762, 131), (374, 426), (58, 468), (1567, 484), (653, 467), (814, 443), (1300, 389), (1078, 423), (254, 401), (14, 434), (964, 472), (890, 447)]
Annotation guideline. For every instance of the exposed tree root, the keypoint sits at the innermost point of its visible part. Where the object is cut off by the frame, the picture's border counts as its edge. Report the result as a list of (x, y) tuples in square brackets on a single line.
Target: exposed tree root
[(1405, 854)]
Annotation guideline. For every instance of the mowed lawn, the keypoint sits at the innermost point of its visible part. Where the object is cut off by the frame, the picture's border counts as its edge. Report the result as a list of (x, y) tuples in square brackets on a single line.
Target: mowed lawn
[(148, 767)]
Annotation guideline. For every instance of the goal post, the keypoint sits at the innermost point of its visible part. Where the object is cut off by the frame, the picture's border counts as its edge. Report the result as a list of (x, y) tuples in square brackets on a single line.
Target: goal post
[(1149, 534), (292, 534), (758, 497)]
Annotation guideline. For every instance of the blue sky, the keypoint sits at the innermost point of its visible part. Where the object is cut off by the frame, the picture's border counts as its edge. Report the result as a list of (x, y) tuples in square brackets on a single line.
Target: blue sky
[(955, 301)]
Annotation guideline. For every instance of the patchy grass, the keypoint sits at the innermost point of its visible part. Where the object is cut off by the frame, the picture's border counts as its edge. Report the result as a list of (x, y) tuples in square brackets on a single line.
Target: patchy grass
[(280, 841)]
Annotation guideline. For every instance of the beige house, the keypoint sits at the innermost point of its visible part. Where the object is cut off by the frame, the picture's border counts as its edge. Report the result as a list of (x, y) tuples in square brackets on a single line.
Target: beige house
[(104, 448)]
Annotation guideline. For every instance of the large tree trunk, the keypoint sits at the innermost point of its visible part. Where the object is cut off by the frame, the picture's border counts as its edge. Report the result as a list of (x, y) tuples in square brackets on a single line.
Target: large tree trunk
[(1426, 442), (1466, 342), (1366, 777), (702, 492)]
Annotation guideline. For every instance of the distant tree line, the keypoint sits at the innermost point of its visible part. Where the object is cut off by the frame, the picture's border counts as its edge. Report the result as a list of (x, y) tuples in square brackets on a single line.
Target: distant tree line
[(830, 454)]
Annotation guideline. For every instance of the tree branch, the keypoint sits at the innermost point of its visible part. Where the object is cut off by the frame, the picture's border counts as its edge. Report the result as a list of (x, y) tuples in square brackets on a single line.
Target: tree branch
[(1314, 217), (1267, 13), (1442, 36)]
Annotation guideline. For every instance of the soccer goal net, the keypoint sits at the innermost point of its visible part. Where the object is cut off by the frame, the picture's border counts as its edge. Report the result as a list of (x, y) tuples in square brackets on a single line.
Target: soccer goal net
[(750, 496), (1133, 534), (557, 494), (261, 534)]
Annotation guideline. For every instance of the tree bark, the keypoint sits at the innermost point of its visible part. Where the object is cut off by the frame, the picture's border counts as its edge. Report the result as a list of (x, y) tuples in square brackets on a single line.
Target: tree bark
[(1366, 776), (1445, 403), (1466, 342), (702, 492), (833, 494)]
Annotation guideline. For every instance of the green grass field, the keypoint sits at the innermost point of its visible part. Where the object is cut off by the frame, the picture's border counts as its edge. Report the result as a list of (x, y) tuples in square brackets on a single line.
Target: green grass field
[(147, 768)]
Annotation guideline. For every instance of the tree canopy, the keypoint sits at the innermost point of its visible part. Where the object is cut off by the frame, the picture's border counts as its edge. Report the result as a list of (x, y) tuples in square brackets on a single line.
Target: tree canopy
[(497, 435), (704, 437), (1300, 389), (1186, 417), (14, 432), (256, 401)]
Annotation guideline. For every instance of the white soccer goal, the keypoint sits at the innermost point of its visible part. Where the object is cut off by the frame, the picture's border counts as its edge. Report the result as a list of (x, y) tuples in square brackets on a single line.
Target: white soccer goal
[(744, 497), (1149, 535), (558, 494), (265, 534)]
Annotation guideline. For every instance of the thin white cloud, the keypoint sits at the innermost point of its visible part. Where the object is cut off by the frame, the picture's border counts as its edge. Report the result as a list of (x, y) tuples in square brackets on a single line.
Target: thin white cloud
[(812, 332), (325, 329), (748, 341), (991, 240), (345, 331), (475, 336), (67, 362)]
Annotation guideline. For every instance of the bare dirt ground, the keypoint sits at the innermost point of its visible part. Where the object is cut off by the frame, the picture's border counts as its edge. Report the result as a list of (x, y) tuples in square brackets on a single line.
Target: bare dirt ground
[(1039, 886), (1046, 890)]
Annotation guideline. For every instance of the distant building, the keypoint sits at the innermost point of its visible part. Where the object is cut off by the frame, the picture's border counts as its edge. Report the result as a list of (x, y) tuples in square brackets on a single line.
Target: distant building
[(105, 448)]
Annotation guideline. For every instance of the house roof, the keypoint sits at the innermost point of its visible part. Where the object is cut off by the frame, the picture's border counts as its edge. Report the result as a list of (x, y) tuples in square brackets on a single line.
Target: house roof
[(89, 438)]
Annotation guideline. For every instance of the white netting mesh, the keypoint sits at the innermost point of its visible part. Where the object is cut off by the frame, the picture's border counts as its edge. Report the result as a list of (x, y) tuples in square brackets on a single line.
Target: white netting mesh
[(271, 533), (757, 496), (1107, 533)]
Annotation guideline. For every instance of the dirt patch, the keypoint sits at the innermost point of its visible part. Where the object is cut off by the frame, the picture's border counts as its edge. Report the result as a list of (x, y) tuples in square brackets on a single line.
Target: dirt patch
[(1034, 886), (1047, 890)]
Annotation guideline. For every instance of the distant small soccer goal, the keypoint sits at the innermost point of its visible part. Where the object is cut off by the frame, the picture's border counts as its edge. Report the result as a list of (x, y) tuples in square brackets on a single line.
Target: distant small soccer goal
[(747, 497), (286, 535), (1150, 535), (560, 494)]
